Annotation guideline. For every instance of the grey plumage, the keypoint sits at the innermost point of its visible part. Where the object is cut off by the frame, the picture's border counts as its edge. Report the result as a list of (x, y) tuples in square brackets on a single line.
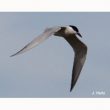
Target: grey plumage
[(80, 50), (39, 39)]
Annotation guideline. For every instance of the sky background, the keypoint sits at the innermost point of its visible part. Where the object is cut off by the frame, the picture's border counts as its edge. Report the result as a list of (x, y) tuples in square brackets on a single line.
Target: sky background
[(45, 71)]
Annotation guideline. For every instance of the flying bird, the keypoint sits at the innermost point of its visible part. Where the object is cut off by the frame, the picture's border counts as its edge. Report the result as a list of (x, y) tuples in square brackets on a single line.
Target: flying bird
[(70, 34)]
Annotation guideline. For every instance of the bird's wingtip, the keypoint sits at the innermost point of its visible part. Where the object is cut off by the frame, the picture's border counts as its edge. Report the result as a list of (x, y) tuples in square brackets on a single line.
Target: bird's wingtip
[(13, 55), (71, 89)]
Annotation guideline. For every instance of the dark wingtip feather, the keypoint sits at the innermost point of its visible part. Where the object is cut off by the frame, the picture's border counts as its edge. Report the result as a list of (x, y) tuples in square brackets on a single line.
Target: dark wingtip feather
[(13, 55), (71, 88)]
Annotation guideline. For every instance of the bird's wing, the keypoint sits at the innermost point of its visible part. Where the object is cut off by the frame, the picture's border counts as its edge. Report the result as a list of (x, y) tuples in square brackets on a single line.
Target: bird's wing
[(48, 32), (79, 60), (80, 50)]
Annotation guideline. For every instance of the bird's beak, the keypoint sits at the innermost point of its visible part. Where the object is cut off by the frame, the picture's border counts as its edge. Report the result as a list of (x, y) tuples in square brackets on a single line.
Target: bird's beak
[(79, 34)]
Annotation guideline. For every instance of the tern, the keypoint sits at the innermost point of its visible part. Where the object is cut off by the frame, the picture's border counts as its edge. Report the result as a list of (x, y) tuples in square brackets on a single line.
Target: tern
[(70, 34)]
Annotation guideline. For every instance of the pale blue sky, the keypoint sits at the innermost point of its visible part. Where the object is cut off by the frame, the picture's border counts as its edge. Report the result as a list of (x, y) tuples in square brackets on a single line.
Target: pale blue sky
[(45, 71)]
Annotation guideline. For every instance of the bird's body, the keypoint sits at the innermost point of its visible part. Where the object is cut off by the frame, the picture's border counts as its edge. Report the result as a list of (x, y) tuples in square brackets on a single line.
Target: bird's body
[(69, 33)]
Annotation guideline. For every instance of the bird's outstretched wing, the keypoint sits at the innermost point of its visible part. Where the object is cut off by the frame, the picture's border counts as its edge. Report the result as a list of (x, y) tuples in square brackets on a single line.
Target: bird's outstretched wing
[(48, 32), (79, 60), (80, 50)]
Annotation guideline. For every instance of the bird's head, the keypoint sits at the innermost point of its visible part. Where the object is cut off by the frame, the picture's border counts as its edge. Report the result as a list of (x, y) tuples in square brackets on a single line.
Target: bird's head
[(67, 30), (75, 30)]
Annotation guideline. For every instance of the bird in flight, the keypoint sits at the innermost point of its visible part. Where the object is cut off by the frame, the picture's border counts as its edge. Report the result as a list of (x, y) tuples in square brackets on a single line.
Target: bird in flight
[(70, 34)]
